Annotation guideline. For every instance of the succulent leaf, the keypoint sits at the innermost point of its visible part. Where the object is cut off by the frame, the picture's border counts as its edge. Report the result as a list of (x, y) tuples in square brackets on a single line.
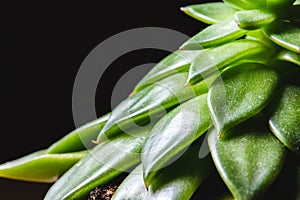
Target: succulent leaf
[(183, 181), (151, 102), (81, 138), (248, 158), (213, 59), (243, 91), (40, 166), (289, 56), (285, 34), (235, 85), (209, 13), (172, 64), (246, 4), (253, 19), (103, 163), (285, 119), (214, 35), (173, 134), (176, 181), (132, 186)]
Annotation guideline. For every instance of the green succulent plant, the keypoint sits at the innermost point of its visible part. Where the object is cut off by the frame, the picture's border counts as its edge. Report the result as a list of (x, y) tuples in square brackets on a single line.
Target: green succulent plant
[(224, 108)]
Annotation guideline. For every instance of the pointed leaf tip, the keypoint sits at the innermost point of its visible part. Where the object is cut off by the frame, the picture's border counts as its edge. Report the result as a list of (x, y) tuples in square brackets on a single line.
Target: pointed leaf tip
[(183, 9), (40, 166), (211, 60), (253, 19), (210, 13), (214, 35), (173, 134)]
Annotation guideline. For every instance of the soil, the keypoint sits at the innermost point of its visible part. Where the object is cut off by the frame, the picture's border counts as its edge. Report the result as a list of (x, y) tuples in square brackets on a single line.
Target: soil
[(103, 193), (106, 192)]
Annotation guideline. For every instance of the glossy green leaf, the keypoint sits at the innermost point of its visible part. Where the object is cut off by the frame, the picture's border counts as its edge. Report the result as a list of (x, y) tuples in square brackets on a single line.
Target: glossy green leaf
[(103, 163), (214, 35), (40, 166), (253, 19), (217, 58), (183, 177), (177, 181), (284, 34), (173, 134), (272, 5), (248, 158), (242, 92), (132, 186), (285, 118), (246, 4), (172, 64), (209, 13), (151, 102), (81, 138), (289, 56)]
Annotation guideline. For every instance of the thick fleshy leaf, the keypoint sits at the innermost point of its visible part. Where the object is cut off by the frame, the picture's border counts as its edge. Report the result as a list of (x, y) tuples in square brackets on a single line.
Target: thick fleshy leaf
[(182, 178), (103, 163), (150, 103), (285, 118), (273, 5), (214, 35), (173, 134), (289, 56), (242, 92), (172, 64), (297, 2), (253, 19), (210, 13), (177, 181), (132, 187), (79, 139), (40, 166), (220, 57), (248, 158), (285, 34), (246, 4)]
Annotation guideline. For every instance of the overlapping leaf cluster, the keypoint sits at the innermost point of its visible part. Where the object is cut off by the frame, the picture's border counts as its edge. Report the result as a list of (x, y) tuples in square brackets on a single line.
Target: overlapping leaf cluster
[(235, 85)]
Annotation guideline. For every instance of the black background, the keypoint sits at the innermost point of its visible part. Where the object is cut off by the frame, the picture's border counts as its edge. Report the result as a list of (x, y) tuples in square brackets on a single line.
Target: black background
[(43, 45)]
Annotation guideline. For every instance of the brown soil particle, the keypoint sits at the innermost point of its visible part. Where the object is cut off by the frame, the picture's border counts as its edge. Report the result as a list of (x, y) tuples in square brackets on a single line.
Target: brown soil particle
[(103, 193)]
